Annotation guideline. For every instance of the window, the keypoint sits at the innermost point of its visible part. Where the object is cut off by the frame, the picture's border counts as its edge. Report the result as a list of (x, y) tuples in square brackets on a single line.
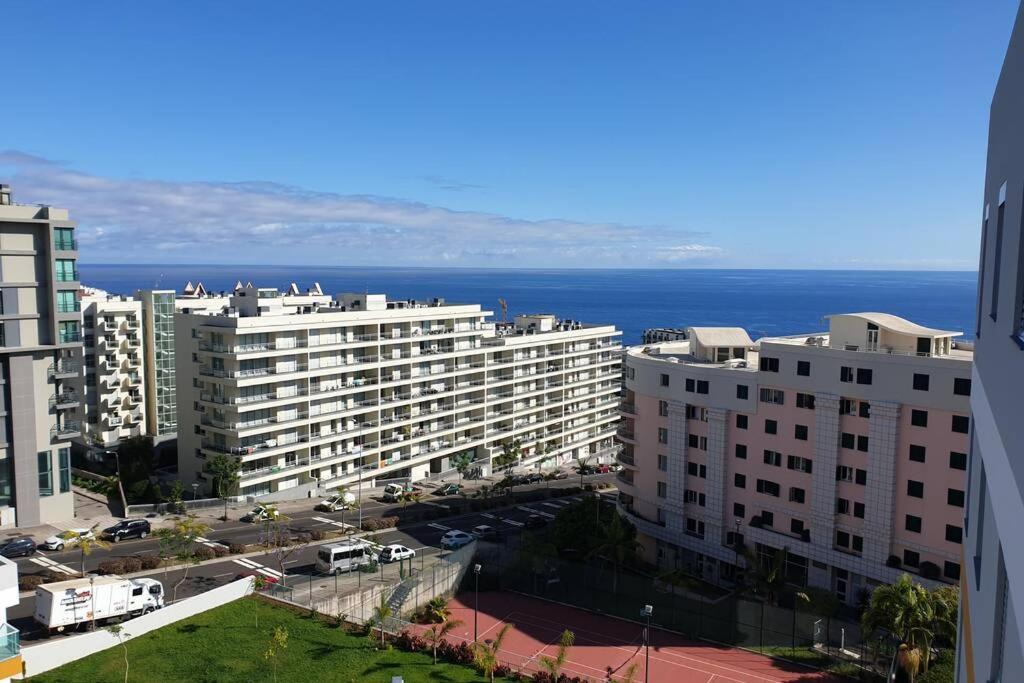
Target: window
[(847, 440), (955, 497), (64, 238), (796, 526), (769, 364), (692, 440), (917, 453), (740, 481), (842, 539), (769, 488), (864, 409), (920, 382), (858, 543), (981, 271), (919, 418), (961, 424), (845, 374), (954, 534), (796, 495), (662, 435), (862, 444), (863, 376), (662, 517), (957, 461), (664, 380), (915, 489), (663, 462), (663, 408), (64, 469), (69, 333), (803, 368), (662, 489), (800, 432), (847, 406), (739, 510), (912, 523), (844, 473), (767, 518), (911, 558), (842, 506), (45, 464), (795, 462), (962, 386), (771, 427), (695, 527), (691, 412), (741, 421), (860, 477), (690, 384), (951, 570), (805, 401), (858, 510), (702, 386), (772, 458), (741, 451), (775, 396), (998, 256), (741, 392), (66, 270), (67, 301)]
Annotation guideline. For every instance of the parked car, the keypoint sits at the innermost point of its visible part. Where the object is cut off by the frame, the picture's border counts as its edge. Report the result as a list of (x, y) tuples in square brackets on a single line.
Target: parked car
[(267, 581), (18, 547), (341, 501), (393, 493), (561, 474), (455, 539), (536, 522), (485, 532), (534, 478), (447, 490), (604, 469), (67, 539), (395, 552), (261, 513), (129, 528)]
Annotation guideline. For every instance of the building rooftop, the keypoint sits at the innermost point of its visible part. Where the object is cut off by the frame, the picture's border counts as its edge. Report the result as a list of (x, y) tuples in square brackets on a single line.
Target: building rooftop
[(721, 336), (894, 323)]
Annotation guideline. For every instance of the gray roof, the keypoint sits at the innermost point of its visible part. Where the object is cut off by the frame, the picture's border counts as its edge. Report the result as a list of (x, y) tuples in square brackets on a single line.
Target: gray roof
[(720, 336)]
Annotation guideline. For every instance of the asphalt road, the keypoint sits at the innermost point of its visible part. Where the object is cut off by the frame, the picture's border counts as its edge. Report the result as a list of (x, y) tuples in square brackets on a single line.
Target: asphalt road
[(421, 536)]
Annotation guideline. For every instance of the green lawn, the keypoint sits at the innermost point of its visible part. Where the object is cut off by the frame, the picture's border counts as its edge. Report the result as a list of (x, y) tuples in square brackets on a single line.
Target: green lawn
[(224, 644)]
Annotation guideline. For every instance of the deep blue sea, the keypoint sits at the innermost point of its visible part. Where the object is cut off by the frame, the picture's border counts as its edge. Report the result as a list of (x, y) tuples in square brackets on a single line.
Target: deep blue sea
[(765, 302)]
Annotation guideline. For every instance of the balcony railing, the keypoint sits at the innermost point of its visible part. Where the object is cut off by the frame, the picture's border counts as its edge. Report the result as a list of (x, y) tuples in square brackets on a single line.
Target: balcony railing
[(65, 399), (64, 367), (72, 337), (65, 245), (67, 275), (10, 642), (69, 307), (66, 430)]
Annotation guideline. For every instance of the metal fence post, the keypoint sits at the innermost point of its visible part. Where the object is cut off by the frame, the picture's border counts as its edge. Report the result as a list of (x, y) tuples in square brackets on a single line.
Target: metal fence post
[(760, 630)]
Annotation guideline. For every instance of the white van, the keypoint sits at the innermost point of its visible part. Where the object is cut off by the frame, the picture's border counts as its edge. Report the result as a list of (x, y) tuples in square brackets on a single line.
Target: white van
[(343, 557)]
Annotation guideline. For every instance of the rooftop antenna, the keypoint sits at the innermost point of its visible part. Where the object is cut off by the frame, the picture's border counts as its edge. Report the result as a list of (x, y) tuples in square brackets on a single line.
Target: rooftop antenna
[(504, 309)]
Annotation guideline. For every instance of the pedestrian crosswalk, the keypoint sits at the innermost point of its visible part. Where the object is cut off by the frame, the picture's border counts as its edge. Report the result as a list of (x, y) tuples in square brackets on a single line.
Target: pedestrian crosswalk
[(47, 563), (536, 512), (257, 567), (340, 525), (501, 519), (208, 543)]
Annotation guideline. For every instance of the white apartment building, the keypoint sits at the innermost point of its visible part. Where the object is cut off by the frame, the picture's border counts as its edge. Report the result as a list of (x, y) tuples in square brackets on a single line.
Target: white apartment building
[(365, 389), (111, 384)]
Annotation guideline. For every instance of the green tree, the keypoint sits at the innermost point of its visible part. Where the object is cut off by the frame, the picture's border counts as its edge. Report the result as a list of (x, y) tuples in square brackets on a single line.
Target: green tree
[(578, 525), (278, 643), (553, 665), (766, 577), (176, 497), (911, 613), (511, 453), (178, 542), (437, 609), (462, 462), (536, 554), (135, 461), (583, 468), (485, 654), (227, 472), (436, 634), (617, 544), (381, 614), (118, 632)]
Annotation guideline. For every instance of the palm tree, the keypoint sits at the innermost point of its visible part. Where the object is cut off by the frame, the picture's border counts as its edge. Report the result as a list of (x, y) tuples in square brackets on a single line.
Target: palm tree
[(909, 659), (485, 654), (437, 609), (87, 543), (553, 665), (381, 613), (436, 634), (179, 542), (617, 543), (766, 577), (908, 611), (118, 631), (582, 468)]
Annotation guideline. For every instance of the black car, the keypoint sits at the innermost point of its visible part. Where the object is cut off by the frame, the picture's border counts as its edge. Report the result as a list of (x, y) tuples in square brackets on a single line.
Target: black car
[(17, 547), (536, 522), (129, 528)]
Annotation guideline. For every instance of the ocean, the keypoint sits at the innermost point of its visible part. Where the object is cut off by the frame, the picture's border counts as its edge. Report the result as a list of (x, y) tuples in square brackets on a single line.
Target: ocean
[(764, 302)]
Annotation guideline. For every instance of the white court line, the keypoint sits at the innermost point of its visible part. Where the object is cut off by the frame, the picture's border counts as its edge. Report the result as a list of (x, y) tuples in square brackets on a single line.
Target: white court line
[(442, 527), (340, 525)]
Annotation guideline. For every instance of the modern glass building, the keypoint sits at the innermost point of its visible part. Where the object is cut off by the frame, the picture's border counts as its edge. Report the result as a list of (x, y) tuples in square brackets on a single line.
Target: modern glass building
[(158, 341)]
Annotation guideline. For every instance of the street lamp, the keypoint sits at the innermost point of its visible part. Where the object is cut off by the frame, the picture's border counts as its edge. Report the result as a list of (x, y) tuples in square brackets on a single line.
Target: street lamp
[(646, 612), (195, 490), (736, 551), (476, 598)]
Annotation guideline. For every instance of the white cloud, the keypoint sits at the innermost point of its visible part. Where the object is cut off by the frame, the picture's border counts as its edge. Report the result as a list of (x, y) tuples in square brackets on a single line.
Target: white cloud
[(224, 222)]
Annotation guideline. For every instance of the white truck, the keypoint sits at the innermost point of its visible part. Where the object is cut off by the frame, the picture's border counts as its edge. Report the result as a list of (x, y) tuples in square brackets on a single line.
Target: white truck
[(70, 604)]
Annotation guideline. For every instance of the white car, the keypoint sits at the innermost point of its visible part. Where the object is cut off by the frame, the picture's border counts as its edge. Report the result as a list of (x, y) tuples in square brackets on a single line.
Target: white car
[(261, 513), (455, 539), (485, 532), (67, 539), (395, 553), (341, 501)]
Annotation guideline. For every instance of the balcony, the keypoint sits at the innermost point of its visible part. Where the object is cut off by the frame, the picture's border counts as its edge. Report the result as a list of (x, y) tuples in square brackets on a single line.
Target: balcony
[(114, 420), (65, 244), (67, 275), (273, 469), (10, 644), (64, 400), (624, 478), (69, 307), (64, 369), (70, 337), (627, 408), (66, 430), (625, 458), (625, 434)]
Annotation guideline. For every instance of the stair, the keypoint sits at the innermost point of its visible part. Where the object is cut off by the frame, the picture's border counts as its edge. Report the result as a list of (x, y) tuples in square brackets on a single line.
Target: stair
[(402, 592)]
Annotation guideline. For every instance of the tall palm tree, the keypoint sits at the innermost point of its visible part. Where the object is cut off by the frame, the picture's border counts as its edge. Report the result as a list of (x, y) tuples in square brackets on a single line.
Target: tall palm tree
[(381, 613), (766, 577), (553, 665), (908, 611), (582, 468), (616, 543), (909, 659), (87, 543), (436, 634), (485, 654)]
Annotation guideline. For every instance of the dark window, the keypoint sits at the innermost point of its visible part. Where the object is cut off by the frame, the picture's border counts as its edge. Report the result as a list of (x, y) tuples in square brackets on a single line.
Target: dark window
[(861, 477), (864, 409), (769, 488), (961, 424), (954, 534), (741, 421), (692, 440), (858, 510), (771, 427), (911, 558), (702, 386), (741, 391), (955, 497), (920, 382), (915, 489), (863, 376), (690, 384), (862, 444), (769, 364), (664, 380), (772, 458), (847, 440), (741, 451), (845, 374), (919, 418), (691, 468), (805, 401), (842, 506), (800, 432), (858, 543), (740, 481), (962, 386), (846, 406), (739, 510), (951, 570), (796, 495), (917, 453), (913, 523), (803, 368), (767, 518), (957, 461), (842, 539), (998, 256), (796, 526)]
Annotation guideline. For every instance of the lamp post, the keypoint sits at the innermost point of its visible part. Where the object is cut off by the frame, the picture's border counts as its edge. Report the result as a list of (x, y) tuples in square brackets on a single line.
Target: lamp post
[(646, 612), (736, 551), (195, 491), (92, 598), (476, 598)]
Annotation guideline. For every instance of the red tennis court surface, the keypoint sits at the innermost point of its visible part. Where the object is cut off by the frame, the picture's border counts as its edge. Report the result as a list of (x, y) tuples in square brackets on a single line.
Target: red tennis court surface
[(604, 643)]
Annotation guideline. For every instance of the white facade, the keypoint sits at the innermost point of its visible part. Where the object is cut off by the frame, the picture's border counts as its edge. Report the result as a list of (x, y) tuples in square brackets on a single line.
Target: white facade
[(368, 389)]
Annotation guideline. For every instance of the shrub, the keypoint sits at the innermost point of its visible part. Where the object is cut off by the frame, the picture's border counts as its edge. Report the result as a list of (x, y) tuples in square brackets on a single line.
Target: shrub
[(220, 551), (150, 561), (368, 568), (940, 669), (204, 553), (30, 582), (131, 564), (317, 534), (303, 538), (236, 548), (113, 566), (373, 524)]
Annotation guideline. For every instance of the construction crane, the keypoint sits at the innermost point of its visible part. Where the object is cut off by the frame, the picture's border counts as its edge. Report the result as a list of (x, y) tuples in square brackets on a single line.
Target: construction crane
[(504, 309)]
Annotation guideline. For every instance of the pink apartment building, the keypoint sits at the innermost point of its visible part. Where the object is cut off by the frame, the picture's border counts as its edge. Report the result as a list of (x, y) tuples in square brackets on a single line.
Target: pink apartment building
[(848, 448)]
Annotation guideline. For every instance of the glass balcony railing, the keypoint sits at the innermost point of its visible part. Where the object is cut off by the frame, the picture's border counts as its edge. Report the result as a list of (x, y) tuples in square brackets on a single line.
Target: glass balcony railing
[(10, 641), (67, 275), (65, 245), (70, 336), (69, 306)]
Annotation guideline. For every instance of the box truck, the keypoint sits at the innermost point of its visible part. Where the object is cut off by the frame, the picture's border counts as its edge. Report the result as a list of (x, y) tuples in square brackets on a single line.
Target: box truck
[(70, 604)]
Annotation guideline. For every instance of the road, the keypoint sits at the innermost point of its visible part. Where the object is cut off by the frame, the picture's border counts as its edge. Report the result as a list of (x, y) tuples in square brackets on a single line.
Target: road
[(423, 536)]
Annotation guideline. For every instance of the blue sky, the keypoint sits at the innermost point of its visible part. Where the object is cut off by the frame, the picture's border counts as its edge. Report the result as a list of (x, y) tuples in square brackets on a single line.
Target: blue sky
[(505, 134)]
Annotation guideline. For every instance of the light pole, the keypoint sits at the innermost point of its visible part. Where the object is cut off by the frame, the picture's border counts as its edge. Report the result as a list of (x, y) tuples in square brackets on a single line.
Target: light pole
[(646, 612), (736, 551), (92, 598), (476, 598), (359, 495), (195, 491)]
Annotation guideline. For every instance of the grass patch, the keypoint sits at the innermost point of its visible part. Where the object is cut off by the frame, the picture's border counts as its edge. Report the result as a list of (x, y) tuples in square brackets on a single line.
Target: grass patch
[(811, 657), (224, 644)]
